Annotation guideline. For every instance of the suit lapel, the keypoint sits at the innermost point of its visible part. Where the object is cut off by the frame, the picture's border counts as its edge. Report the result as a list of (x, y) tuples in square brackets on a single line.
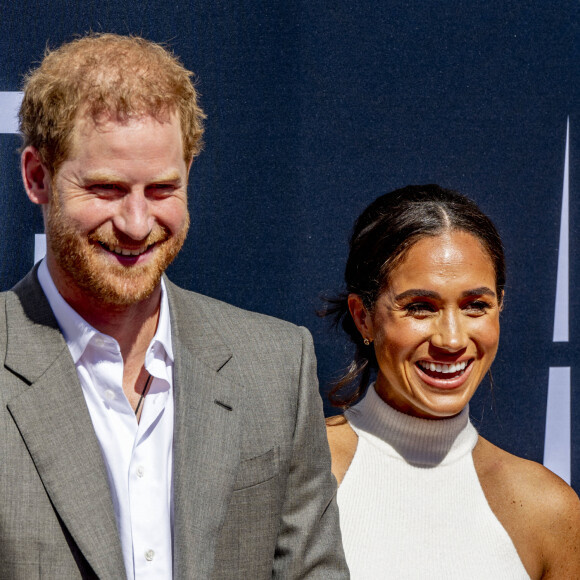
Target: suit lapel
[(206, 453), (53, 419)]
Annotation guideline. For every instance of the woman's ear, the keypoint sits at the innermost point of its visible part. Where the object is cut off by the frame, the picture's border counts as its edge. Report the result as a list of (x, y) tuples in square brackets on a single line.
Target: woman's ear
[(361, 316), (501, 300), (35, 175)]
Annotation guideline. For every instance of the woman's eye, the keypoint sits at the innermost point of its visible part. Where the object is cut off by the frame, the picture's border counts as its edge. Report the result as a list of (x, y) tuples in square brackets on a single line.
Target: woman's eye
[(419, 308), (477, 306)]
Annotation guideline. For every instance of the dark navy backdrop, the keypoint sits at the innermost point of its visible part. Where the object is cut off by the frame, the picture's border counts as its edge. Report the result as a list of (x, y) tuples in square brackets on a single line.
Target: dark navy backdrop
[(317, 107)]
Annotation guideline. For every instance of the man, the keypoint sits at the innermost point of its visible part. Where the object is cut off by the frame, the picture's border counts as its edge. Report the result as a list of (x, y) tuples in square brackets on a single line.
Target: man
[(146, 431)]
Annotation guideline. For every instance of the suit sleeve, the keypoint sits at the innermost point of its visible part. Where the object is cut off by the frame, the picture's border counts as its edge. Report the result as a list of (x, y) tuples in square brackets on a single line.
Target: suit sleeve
[(309, 544)]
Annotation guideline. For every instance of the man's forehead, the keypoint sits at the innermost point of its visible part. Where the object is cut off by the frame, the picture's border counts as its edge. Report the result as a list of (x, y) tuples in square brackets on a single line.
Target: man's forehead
[(100, 149), (104, 120), (87, 126)]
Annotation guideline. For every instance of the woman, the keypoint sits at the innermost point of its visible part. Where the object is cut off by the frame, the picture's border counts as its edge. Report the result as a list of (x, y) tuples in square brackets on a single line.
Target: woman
[(421, 494)]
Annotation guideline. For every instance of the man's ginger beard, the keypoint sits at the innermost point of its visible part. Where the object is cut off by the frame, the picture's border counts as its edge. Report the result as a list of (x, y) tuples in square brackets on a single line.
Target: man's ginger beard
[(80, 257)]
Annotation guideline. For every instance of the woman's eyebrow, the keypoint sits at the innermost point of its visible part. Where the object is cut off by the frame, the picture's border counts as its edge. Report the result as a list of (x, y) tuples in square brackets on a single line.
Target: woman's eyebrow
[(482, 290), (416, 293), (420, 293)]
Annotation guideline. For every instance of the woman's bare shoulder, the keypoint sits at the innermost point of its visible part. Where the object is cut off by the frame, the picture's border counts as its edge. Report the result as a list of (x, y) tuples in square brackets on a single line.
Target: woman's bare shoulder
[(540, 511), (342, 441), (529, 479)]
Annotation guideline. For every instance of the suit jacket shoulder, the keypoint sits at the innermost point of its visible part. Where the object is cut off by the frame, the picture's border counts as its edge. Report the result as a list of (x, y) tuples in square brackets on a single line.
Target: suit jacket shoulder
[(235, 325), (256, 348)]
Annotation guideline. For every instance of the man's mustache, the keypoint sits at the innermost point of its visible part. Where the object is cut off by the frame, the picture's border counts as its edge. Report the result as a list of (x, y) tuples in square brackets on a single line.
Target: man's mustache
[(113, 240)]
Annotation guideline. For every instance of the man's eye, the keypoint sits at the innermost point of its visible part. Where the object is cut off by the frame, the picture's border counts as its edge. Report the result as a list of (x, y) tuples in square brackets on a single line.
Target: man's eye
[(104, 187), (162, 188)]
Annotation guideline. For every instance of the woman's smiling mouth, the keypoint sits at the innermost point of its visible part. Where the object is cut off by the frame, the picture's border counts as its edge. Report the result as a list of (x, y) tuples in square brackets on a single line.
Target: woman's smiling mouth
[(444, 375)]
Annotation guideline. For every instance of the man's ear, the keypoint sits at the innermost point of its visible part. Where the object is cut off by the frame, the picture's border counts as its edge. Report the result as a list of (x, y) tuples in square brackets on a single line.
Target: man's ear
[(361, 316), (35, 175)]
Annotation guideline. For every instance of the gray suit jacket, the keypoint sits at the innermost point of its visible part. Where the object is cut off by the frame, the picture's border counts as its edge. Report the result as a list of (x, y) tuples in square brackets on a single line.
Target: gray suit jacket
[(253, 493)]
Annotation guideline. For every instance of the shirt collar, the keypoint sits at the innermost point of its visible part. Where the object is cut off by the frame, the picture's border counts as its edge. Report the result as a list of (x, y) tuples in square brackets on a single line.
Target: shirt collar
[(78, 332)]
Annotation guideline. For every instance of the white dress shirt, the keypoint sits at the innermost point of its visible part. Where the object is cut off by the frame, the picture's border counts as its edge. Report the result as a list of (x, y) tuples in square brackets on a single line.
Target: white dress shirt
[(138, 456)]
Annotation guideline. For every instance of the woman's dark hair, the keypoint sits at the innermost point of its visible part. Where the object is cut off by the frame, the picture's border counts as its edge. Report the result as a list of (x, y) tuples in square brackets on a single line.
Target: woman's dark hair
[(381, 238)]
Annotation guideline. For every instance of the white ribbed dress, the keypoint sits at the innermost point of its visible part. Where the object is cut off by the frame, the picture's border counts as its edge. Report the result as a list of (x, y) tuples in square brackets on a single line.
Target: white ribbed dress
[(411, 505)]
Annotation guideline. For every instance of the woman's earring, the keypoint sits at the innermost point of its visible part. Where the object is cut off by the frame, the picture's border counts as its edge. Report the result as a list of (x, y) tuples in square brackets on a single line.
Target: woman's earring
[(366, 341)]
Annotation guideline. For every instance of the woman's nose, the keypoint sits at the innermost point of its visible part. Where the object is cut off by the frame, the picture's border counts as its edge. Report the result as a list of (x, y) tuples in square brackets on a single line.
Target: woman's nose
[(450, 333)]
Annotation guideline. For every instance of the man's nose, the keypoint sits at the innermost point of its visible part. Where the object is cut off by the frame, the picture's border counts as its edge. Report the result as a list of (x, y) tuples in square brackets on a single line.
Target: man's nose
[(133, 217), (450, 332)]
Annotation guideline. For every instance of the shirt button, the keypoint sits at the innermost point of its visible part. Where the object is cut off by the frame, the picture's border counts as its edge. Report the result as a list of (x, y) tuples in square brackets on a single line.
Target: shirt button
[(109, 395), (149, 555), (141, 473), (99, 341)]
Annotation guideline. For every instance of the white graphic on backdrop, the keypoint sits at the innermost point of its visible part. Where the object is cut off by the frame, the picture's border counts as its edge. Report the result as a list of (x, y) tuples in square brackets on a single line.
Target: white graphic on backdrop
[(557, 444), (557, 441), (561, 308), (9, 105)]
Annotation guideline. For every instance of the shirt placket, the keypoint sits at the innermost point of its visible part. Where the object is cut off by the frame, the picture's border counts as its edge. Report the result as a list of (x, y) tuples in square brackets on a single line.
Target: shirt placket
[(147, 495)]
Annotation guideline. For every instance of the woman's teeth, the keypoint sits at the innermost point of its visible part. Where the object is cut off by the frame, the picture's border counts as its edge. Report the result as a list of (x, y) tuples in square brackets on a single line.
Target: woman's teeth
[(443, 368)]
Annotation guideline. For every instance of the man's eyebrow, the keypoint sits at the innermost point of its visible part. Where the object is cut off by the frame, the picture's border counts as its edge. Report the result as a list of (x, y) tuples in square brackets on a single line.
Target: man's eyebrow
[(167, 177), (100, 176), (107, 177)]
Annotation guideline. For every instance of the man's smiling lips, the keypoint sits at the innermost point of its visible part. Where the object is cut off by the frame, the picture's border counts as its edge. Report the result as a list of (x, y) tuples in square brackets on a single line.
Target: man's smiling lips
[(127, 256), (444, 375)]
